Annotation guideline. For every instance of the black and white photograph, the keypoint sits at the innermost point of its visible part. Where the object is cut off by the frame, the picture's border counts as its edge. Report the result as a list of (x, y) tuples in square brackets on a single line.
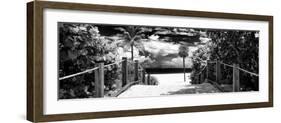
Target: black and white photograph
[(89, 60), (98, 60)]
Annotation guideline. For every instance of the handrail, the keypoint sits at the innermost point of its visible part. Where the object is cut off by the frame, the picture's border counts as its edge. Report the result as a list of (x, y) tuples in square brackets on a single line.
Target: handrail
[(236, 80), (252, 73), (76, 74), (99, 77), (113, 63), (247, 71), (86, 71), (211, 62), (227, 64)]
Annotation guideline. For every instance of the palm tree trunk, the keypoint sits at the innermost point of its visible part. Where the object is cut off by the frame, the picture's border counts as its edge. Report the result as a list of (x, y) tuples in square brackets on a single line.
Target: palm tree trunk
[(183, 63)]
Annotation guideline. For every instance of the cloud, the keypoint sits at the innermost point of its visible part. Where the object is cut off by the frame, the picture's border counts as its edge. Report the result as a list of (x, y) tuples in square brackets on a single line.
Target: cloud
[(177, 62), (153, 37), (156, 47), (165, 54), (204, 40)]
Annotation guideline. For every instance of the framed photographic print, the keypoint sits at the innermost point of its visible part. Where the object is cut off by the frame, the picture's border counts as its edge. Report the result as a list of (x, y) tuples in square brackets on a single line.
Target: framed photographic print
[(95, 61)]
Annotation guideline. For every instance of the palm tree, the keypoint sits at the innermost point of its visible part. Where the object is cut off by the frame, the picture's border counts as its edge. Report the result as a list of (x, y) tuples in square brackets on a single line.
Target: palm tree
[(132, 35), (183, 52)]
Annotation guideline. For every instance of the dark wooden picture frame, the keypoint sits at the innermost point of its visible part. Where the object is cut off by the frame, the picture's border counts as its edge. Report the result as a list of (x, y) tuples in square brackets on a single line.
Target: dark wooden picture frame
[(35, 60)]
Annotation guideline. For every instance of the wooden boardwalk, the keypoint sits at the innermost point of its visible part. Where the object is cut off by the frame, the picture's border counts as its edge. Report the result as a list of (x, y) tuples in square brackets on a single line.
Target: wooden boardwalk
[(149, 90), (169, 84)]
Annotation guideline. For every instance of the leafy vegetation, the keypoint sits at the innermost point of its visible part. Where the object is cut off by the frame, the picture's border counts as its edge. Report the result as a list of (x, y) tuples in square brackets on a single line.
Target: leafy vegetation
[(81, 47), (231, 47)]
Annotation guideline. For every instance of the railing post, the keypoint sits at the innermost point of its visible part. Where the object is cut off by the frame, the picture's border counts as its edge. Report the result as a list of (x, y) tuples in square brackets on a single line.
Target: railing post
[(236, 83), (184, 69), (202, 77), (218, 71), (196, 79), (199, 78), (207, 69), (99, 80), (124, 71), (148, 79), (136, 77), (143, 76)]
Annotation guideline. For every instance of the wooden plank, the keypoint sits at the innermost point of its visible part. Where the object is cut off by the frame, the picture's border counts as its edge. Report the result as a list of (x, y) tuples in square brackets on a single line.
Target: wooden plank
[(143, 77), (236, 83), (124, 71), (216, 85), (148, 79), (199, 78), (207, 69), (136, 66), (123, 89), (218, 71), (30, 111), (101, 73), (184, 69), (202, 77), (99, 80)]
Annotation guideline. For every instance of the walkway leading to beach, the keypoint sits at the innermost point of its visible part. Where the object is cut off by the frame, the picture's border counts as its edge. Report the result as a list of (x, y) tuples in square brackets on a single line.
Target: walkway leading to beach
[(169, 84)]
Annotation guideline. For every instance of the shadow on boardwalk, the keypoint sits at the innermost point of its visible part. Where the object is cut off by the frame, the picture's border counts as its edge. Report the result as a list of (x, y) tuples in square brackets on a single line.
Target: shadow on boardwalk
[(196, 89)]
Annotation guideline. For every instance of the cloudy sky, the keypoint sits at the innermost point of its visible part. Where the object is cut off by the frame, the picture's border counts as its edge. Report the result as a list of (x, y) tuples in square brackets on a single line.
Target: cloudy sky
[(165, 54), (161, 53)]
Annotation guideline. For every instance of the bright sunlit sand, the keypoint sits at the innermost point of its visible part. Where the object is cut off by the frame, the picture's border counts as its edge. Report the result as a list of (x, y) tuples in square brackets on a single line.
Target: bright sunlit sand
[(172, 79), (167, 83)]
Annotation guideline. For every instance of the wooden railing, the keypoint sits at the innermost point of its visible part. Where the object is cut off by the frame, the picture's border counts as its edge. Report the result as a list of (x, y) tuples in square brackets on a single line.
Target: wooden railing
[(139, 76), (204, 75)]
